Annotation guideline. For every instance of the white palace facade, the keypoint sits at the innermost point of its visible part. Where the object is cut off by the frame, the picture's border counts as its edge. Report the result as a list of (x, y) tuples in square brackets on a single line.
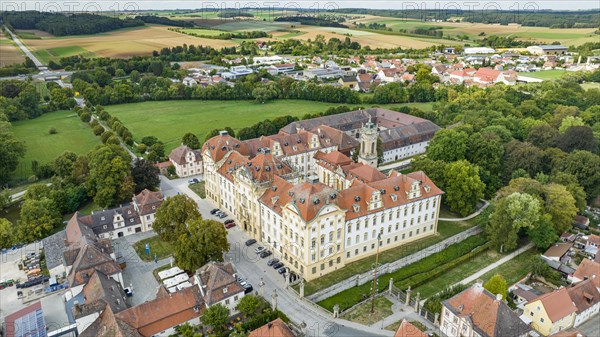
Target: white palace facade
[(305, 199)]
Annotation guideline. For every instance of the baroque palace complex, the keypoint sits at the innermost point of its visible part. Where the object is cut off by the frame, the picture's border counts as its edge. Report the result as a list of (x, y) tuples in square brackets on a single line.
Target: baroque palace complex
[(300, 193)]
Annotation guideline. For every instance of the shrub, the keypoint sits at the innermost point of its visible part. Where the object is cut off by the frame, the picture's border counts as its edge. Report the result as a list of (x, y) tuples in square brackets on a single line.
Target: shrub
[(171, 170), (52, 131), (85, 117), (142, 148), (106, 135), (98, 130)]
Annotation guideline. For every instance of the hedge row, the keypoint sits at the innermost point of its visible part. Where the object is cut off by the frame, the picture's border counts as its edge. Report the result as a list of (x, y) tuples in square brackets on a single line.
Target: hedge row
[(417, 273)]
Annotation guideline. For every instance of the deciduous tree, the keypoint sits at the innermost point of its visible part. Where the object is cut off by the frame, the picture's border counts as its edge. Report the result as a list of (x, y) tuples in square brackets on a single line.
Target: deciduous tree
[(173, 215), (248, 305), (496, 285), (190, 140), (543, 235), (202, 241), (516, 211), (448, 145), (38, 219), (216, 316), (463, 187), (11, 150), (109, 181), (145, 175), (6, 233), (583, 165)]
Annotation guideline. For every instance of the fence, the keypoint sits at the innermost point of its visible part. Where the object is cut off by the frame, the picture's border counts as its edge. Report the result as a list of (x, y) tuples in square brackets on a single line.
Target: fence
[(391, 267)]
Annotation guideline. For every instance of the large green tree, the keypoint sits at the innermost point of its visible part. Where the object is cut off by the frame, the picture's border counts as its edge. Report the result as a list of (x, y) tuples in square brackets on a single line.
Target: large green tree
[(516, 211), (248, 305), (7, 233), (543, 235), (38, 218), (173, 215), (11, 150), (204, 241), (584, 166), (448, 145), (64, 163), (109, 181), (560, 204), (216, 316), (190, 140), (145, 175), (463, 187)]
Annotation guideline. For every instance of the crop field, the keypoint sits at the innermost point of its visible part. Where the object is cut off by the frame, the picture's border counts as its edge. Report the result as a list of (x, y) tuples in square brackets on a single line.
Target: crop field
[(73, 135), (121, 43), (46, 55), (9, 52), (566, 36), (170, 120)]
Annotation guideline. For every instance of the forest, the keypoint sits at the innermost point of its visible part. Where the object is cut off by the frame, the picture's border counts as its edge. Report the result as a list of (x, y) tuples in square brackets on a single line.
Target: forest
[(60, 24), (164, 21)]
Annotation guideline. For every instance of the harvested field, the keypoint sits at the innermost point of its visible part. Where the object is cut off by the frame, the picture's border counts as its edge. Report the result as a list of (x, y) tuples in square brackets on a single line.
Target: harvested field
[(9, 52), (126, 42)]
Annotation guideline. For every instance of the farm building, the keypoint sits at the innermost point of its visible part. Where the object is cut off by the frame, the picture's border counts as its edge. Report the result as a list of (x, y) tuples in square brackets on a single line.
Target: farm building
[(548, 50)]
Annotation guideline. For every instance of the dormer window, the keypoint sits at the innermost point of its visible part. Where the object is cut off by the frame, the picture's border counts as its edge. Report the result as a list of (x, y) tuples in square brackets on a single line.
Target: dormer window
[(153, 207), (225, 290), (102, 218), (104, 227), (131, 220)]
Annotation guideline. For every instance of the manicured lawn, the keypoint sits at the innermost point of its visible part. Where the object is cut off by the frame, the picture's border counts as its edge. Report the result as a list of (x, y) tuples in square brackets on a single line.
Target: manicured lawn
[(545, 74), (515, 269), (446, 229), (157, 246), (170, 120), (360, 314), (73, 135), (198, 188), (458, 273)]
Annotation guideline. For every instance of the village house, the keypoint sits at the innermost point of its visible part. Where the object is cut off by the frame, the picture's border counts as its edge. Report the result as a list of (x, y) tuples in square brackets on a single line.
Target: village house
[(551, 312), (218, 285), (348, 82), (187, 162), (586, 298), (276, 328), (588, 269)]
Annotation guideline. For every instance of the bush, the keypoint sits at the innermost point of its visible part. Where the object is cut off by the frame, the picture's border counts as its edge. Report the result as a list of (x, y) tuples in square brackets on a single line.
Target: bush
[(85, 117), (52, 131), (142, 148), (94, 123), (98, 130), (171, 170), (106, 135)]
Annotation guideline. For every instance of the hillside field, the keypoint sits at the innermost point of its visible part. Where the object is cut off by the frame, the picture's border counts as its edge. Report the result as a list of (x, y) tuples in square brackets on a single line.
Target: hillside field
[(170, 120), (73, 135)]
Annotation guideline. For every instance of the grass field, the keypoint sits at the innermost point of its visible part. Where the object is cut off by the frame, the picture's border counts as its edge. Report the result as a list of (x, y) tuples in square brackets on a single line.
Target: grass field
[(170, 120), (160, 248), (121, 43), (55, 54), (546, 74), (360, 314), (515, 269), (9, 52), (73, 135)]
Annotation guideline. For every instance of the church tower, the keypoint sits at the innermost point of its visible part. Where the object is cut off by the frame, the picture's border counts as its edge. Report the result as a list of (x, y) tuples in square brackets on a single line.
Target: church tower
[(368, 144)]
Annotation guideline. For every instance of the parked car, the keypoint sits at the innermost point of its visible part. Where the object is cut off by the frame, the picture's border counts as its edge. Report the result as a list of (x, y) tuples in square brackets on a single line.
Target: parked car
[(272, 261), (266, 253), (282, 270), (230, 225), (193, 181), (214, 211), (250, 242), (259, 249), (222, 215), (248, 288), (277, 265), (228, 221)]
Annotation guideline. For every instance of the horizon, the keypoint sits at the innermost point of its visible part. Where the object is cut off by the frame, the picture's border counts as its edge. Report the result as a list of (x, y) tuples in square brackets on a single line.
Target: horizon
[(315, 6)]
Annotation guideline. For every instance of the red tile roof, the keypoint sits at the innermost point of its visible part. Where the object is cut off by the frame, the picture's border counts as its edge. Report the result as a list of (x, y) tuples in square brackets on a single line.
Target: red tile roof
[(557, 304), (218, 282), (276, 328), (179, 154), (406, 329), (588, 269), (584, 295)]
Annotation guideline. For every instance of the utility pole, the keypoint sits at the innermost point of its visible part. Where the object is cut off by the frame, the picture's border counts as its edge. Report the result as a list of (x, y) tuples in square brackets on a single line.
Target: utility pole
[(374, 288)]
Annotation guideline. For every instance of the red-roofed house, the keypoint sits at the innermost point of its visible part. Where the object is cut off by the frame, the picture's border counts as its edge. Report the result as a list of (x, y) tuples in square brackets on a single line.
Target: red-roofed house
[(551, 312), (187, 162), (406, 329)]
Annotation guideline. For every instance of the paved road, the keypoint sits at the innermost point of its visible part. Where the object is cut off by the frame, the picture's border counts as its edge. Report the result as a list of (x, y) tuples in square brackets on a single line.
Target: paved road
[(29, 54), (254, 269), (470, 216)]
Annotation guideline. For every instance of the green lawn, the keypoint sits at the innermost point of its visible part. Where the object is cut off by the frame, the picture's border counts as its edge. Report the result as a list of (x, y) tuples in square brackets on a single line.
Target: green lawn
[(515, 269), (458, 273), (446, 229), (198, 188), (157, 246), (73, 135), (360, 314), (170, 120), (47, 55), (545, 74)]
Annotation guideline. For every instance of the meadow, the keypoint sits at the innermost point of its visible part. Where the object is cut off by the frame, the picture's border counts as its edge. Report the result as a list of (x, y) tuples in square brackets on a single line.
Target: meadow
[(9, 52), (546, 74), (170, 120), (73, 135)]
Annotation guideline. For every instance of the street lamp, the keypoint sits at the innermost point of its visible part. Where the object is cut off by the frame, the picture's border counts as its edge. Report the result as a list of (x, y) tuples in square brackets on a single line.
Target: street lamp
[(374, 287)]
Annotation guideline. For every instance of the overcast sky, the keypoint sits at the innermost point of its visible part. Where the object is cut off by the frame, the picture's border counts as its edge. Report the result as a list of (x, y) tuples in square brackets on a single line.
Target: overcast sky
[(107, 5)]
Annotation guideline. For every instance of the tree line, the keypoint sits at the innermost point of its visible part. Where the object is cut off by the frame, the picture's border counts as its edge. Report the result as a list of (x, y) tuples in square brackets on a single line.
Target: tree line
[(61, 24)]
